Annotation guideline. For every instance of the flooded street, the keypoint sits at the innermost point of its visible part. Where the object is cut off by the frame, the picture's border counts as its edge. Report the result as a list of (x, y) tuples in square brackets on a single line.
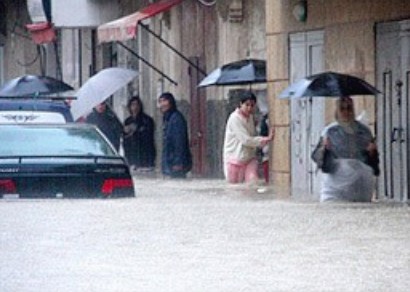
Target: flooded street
[(203, 236)]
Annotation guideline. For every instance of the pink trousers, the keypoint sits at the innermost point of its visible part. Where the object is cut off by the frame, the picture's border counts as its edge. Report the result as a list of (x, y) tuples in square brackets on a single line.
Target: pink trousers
[(239, 173)]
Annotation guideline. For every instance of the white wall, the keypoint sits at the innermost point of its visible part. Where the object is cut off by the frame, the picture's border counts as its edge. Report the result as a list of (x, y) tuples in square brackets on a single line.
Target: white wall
[(83, 13)]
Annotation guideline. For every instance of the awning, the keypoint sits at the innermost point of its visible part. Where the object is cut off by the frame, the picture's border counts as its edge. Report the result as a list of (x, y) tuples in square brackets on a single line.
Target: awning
[(125, 28), (42, 32)]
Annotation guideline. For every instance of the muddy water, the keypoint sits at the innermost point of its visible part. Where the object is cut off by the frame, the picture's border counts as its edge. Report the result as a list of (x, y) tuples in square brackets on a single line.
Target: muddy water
[(203, 236)]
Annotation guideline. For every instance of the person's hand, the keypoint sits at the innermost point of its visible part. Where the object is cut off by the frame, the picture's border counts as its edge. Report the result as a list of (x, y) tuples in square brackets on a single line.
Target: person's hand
[(326, 143), (267, 139), (372, 147), (177, 167), (130, 128), (271, 134), (127, 129)]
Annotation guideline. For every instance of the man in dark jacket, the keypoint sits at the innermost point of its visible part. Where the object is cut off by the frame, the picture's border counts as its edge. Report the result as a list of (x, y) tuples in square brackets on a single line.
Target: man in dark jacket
[(107, 122), (139, 144), (176, 155)]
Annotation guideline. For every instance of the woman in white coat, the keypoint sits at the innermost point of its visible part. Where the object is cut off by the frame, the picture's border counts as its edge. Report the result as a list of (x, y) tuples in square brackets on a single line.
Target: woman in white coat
[(241, 143)]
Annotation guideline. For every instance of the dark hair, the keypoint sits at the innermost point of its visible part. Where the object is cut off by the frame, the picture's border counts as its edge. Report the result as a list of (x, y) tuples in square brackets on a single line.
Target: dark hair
[(168, 96), (247, 96), (137, 99)]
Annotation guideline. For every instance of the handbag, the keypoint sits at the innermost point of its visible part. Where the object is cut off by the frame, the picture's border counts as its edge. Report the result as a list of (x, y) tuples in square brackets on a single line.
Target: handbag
[(324, 158)]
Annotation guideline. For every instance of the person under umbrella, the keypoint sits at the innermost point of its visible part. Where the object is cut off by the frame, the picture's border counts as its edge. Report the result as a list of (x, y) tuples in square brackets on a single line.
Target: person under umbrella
[(354, 157), (241, 143), (99, 88), (108, 123)]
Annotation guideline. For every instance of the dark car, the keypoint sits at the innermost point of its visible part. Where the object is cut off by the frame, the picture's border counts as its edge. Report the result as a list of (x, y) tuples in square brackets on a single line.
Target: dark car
[(21, 111), (60, 160)]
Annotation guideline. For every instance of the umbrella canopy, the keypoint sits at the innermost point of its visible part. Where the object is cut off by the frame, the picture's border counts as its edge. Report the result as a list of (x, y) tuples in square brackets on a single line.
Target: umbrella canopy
[(328, 84), (33, 85), (98, 88), (241, 72)]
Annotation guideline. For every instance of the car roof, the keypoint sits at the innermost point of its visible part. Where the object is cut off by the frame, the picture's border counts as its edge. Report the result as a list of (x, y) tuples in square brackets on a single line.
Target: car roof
[(37, 105)]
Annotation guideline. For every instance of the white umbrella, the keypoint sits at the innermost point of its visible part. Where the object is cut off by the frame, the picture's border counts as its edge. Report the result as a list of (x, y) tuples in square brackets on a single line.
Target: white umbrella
[(98, 88)]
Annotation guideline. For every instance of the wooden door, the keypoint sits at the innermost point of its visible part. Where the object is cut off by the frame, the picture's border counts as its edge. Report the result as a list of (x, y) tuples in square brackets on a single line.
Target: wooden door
[(198, 119)]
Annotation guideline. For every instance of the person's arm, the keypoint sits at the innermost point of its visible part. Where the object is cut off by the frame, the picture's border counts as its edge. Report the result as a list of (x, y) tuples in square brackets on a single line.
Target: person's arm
[(128, 126), (372, 146), (179, 141), (90, 119), (149, 135), (242, 134), (118, 124), (150, 127)]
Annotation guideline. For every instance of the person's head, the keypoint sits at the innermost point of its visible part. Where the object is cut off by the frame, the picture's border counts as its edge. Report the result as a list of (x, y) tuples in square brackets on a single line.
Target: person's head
[(345, 109), (135, 106), (166, 102), (101, 108), (247, 103)]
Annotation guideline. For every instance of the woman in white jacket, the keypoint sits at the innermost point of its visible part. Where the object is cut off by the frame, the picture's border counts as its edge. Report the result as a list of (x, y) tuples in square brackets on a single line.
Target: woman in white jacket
[(241, 142)]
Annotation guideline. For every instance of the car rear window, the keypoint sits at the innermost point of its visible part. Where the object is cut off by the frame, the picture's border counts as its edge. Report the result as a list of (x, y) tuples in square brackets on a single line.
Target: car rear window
[(52, 141)]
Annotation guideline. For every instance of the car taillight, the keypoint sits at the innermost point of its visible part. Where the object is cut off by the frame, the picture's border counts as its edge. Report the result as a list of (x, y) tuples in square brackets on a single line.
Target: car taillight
[(7, 186), (111, 184)]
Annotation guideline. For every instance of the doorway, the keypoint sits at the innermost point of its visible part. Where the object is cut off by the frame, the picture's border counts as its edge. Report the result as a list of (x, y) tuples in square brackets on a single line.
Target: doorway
[(393, 76), (198, 119), (307, 114)]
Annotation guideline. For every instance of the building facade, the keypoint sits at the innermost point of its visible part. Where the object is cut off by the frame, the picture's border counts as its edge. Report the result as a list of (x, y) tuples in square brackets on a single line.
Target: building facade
[(173, 48), (368, 39)]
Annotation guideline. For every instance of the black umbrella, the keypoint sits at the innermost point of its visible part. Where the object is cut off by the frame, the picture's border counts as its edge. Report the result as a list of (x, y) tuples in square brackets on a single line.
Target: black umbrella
[(329, 84), (32, 85), (241, 72)]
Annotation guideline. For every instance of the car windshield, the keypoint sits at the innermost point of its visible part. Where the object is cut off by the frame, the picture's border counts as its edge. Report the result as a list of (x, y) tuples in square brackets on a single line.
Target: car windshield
[(52, 141)]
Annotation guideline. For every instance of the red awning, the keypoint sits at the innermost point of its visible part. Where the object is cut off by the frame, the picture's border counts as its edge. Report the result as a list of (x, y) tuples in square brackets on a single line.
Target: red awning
[(42, 32), (125, 28)]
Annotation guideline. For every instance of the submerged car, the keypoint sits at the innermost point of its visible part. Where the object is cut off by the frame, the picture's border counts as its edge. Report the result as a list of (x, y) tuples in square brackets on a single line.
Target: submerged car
[(27, 111), (60, 161)]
